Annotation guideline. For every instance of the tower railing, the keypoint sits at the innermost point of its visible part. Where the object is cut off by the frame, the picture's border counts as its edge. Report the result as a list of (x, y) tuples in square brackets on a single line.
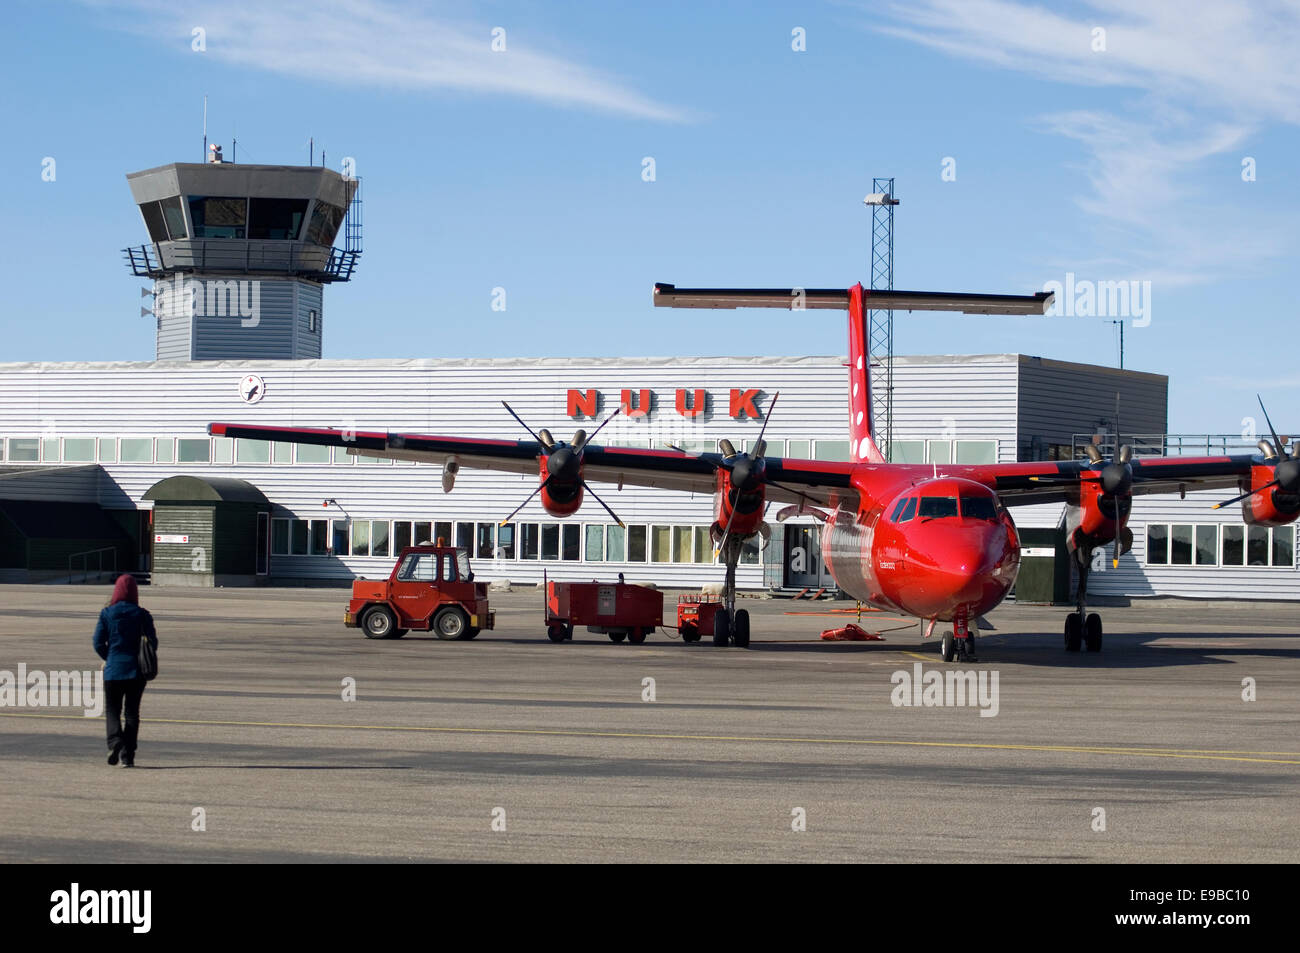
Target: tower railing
[(239, 257)]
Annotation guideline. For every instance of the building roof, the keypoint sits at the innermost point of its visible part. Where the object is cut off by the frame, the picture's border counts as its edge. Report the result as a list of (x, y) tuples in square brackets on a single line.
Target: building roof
[(255, 365), (45, 519), (193, 489)]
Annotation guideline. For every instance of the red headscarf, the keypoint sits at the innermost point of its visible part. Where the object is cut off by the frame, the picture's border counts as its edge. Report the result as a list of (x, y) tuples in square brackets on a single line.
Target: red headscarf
[(125, 590)]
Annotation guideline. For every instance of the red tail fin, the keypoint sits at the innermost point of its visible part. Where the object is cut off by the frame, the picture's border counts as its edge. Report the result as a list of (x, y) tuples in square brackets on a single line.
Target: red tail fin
[(862, 444)]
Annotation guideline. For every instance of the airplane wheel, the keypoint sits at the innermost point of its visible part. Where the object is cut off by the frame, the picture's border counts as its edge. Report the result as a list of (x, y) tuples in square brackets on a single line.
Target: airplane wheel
[(636, 636), (568, 631), (1092, 632), (617, 636), (689, 632), (721, 628), (740, 629), (555, 633), (1073, 632), (948, 649)]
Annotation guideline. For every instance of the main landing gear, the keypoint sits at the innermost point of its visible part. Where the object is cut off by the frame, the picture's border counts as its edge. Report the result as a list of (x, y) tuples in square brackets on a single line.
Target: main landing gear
[(731, 626), (1081, 626), (960, 642)]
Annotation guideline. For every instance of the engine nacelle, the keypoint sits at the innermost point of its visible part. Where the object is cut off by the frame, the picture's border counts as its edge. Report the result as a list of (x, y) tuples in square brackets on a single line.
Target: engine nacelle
[(563, 496), (1273, 507), (740, 509), (1097, 519)]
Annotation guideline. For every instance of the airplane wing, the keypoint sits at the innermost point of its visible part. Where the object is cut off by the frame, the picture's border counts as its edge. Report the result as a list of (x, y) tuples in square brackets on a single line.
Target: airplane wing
[(1020, 484), (820, 482)]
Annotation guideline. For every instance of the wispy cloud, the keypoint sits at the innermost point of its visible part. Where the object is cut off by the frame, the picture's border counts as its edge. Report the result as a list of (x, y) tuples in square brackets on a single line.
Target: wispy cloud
[(387, 43), (1207, 77)]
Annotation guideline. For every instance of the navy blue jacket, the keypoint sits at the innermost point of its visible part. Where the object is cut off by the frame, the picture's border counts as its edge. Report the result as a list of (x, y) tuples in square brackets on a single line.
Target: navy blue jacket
[(117, 639)]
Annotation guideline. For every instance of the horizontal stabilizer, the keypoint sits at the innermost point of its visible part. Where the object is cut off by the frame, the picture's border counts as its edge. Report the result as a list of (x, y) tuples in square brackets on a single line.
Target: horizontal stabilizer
[(794, 299)]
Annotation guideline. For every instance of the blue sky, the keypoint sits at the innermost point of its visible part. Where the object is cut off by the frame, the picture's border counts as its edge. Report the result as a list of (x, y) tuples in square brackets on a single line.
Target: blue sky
[(522, 169)]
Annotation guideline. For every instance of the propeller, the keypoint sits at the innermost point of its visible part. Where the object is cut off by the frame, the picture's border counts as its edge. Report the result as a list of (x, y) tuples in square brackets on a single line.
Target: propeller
[(746, 469), (563, 461), (1115, 478), (1286, 472)]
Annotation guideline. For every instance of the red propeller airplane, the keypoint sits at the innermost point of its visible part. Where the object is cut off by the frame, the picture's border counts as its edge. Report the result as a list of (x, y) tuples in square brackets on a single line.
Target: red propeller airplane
[(934, 542)]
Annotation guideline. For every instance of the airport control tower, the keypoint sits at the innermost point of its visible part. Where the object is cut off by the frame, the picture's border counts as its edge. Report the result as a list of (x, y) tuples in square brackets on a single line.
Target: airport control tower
[(240, 254)]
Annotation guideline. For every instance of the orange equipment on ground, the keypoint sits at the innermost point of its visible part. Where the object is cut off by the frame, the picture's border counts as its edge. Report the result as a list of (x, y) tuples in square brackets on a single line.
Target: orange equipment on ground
[(851, 633), (695, 614)]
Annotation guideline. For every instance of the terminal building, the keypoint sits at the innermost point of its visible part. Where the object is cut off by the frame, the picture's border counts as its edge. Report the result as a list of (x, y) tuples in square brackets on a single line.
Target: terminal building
[(108, 467)]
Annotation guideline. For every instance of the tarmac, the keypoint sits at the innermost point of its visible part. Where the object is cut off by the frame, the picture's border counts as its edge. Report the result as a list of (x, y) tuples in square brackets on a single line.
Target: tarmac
[(1177, 743)]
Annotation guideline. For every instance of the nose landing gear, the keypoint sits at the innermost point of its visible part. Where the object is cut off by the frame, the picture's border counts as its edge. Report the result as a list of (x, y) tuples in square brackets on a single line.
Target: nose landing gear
[(1082, 628), (731, 626), (960, 642)]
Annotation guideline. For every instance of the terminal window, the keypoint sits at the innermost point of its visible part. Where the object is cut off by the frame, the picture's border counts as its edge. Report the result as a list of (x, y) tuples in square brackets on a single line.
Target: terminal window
[(24, 449)]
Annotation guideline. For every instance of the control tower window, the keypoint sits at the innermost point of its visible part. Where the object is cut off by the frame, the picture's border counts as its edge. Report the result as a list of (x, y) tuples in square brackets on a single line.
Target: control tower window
[(164, 219), (171, 209), (276, 219), (325, 222), (153, 220), (216, 217)]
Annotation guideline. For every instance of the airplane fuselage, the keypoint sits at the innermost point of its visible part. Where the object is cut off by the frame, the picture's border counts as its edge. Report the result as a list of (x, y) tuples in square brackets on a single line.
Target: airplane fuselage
[(938, 548)]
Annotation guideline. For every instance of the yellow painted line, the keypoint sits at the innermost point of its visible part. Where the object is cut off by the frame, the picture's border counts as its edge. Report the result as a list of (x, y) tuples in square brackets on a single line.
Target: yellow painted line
[(923, 658), (1292, 757)]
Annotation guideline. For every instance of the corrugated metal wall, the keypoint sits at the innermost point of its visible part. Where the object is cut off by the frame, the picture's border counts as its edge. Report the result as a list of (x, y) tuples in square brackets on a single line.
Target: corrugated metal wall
[(263, 318), (1059, 399), (936, 398)]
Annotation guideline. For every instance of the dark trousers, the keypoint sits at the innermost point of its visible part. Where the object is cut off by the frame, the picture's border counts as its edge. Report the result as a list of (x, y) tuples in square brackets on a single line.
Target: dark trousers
[(123, 731)]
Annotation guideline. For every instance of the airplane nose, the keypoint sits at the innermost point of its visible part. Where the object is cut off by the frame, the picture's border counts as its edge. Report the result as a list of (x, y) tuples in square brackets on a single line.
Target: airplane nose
[(977, 567), (972, 567)]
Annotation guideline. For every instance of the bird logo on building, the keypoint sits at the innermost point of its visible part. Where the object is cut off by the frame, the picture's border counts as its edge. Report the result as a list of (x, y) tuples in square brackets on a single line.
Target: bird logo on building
[(252, 389)]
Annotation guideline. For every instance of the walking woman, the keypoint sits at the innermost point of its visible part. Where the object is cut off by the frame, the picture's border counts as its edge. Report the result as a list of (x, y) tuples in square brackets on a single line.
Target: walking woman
[(122, 624)]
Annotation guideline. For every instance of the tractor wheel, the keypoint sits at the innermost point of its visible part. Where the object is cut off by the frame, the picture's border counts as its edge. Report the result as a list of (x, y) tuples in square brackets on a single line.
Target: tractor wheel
[(378, 623), (450, 623)]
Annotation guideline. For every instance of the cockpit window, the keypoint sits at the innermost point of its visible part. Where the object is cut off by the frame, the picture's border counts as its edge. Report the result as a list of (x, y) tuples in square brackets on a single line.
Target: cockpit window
[(909, 510), (893, 517), (979, 508), (935, 507)]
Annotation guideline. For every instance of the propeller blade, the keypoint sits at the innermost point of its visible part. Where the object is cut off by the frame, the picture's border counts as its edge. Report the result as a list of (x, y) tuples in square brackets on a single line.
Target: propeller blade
[(726, 447), (1276, 443), (1237, 499), (541, 486), (726, 531), (617, 411), (522, 424), (587, 487), (766, 420), (1094, 455)]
